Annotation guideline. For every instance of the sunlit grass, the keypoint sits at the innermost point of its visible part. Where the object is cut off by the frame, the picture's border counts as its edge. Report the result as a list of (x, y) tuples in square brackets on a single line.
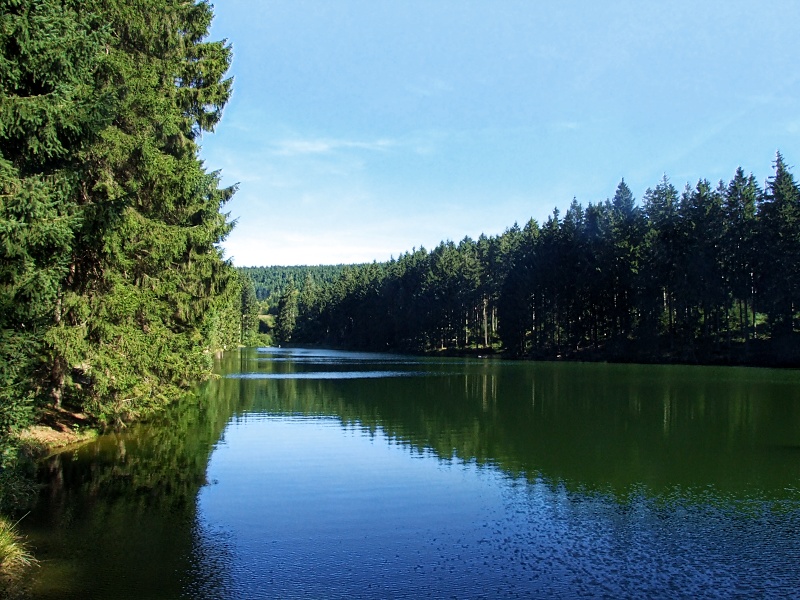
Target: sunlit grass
[(14, 558)]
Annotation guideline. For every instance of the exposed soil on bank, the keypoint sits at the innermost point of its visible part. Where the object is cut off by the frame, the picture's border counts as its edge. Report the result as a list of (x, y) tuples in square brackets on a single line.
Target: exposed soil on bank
[(56, 429)]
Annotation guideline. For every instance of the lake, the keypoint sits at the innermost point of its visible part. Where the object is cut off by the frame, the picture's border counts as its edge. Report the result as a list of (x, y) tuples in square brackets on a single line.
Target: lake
[(325, 474)]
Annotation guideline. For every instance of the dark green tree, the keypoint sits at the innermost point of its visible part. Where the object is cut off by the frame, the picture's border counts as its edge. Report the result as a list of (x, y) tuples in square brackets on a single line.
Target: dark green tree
[(739, 237), (517, 302), (665, 281), (110, 268), (249, 310), (287, 314), (50, 107), (663, 260), (702, 304), (779, 249), (627, 231)]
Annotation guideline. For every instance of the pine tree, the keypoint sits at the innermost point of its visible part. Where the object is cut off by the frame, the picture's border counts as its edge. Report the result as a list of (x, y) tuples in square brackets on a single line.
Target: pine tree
[(779, 248), (110, 267), (701, 302), (740, 200), (49, 107), (516, 304), (287, 314), (662, 262), (627, 230), (145, 283), (249, 310)]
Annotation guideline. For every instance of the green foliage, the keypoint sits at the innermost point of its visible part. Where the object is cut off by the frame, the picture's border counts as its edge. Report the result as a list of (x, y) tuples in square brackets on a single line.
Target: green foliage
[(49, 108), (779, 259), (113, 290), (270, 282), (249, 310), (708, 275), (287, 314), (14, 558)]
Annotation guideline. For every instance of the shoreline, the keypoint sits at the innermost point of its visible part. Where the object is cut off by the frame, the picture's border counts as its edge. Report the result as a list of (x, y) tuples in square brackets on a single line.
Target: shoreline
[(755, 358), (56, 430)]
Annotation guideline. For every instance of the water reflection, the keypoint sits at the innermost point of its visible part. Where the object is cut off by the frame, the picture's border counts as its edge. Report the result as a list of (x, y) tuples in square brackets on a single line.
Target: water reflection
[(117, 518), (596, 426), (324, 474), (328, 375)]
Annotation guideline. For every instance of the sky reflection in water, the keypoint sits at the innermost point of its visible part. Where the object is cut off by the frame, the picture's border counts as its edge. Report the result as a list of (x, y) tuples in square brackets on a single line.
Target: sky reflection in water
[(341, 475)]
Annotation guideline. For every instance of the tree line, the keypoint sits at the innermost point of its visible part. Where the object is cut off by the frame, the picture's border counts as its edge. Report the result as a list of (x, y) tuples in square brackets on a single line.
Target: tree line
[(271, 281), (114, 292), (709, 274)]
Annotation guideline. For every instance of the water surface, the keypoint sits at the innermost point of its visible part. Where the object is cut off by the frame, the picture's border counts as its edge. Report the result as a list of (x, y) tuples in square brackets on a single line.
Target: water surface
[(308, 473)]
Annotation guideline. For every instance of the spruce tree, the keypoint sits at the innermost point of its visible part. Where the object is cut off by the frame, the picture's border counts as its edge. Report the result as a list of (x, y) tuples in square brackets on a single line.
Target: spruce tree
[(287, 314), (739, 206), (249, 310), (50, 108), (111, 279)]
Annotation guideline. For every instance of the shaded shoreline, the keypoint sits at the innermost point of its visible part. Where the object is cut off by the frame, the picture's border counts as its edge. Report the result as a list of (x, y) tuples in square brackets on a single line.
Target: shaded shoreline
[(55, 430), (759, 354)]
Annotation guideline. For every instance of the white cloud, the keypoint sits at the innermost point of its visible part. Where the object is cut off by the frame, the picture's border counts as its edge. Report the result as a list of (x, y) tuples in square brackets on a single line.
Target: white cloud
[(567, 125), (430, 88), (300, 147)]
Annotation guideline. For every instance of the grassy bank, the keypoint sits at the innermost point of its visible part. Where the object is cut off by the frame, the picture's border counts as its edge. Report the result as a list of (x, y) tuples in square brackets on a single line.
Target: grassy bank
[(14, 558), (56, 429)]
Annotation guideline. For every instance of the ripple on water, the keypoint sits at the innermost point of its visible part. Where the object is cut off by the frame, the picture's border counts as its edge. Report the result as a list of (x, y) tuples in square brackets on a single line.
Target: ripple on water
[(358, 523)]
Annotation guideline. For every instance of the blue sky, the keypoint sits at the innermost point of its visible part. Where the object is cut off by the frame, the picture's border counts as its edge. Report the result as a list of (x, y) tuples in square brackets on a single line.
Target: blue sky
[(359, 129)]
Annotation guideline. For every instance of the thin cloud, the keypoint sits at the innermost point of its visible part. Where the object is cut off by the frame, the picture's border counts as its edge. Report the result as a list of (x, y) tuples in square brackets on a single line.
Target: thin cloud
[(430, 88), (567, 125), (305, 147)]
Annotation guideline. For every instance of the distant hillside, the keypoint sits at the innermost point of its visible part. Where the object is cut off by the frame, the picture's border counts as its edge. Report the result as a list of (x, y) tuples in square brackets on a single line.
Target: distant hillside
[(273, 280)]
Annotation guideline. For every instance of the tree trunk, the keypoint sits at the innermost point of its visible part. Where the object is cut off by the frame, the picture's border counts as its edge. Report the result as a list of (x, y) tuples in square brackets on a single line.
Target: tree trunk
[(485, 324)]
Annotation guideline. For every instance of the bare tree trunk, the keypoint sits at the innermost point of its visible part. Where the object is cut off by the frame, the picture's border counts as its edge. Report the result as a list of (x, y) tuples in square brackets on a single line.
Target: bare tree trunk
[(485, 323)]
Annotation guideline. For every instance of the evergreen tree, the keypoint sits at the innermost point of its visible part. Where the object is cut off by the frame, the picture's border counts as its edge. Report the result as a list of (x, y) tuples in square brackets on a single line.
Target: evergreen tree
[(614, 281), (143, 290), (271, 281), (111, 274), (249, 310), (662, 263), (702, 303), (779, 248), (739, 206), (517, 302), (599, 282), (627, 230), (287, 314), (409, 304), (49, 107), (309, 308)]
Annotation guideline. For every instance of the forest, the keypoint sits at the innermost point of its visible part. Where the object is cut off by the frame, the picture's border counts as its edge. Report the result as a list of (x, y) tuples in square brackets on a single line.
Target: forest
[(114, 292), (710, 274), (270, 281)]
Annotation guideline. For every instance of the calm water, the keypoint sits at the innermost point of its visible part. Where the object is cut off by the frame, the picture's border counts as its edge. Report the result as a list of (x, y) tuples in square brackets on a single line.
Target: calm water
[(321, 474)]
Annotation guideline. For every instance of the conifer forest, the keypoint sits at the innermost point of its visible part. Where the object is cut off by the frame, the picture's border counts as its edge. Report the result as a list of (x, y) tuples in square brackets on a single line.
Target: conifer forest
[(710, 274)]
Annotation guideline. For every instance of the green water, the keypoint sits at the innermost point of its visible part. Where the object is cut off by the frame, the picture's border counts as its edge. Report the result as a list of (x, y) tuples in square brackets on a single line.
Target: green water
[(304, 473)]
